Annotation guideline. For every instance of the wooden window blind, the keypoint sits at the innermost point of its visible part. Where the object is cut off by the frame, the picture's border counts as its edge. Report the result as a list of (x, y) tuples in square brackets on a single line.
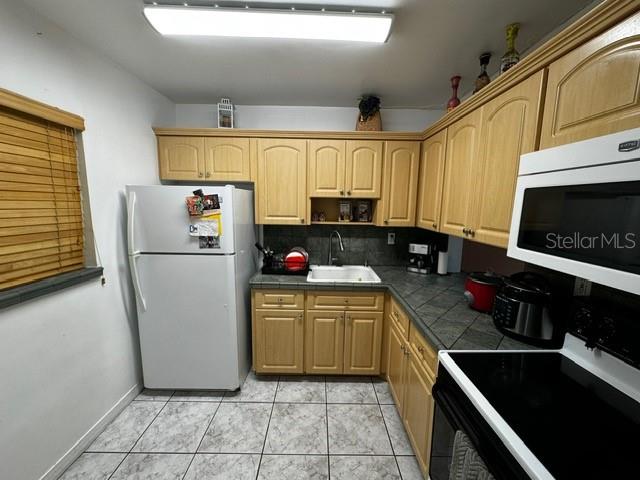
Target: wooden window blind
[(41, 228)]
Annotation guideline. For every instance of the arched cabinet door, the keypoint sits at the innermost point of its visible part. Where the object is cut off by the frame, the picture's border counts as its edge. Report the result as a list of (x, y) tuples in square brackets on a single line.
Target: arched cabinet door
[(595, 89), (430, 181), (326, 168), (509, 129), (181, 158), (400, 183), (459, 180), (227, 159), (281, 181), (363, 168)]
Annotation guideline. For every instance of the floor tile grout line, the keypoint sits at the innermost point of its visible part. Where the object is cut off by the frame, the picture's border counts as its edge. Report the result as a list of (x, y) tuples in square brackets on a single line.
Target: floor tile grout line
[(204, 434), (266, 433), (139, 437), (384, 421), (326, 412)]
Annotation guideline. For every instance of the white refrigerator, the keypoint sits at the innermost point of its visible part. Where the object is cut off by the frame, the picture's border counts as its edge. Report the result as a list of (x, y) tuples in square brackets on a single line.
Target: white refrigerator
[(193, 303)]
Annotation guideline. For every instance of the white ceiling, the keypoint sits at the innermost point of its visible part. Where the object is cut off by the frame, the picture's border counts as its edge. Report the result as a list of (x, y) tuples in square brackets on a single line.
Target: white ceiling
[(430, 41)]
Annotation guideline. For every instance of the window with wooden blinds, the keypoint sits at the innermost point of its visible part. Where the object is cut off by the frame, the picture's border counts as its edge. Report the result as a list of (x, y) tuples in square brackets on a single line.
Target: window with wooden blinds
[(41, 228)]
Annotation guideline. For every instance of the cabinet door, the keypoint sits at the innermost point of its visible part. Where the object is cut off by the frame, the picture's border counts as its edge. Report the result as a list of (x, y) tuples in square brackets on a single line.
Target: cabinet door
[(509, 129), (418, 412), (181, 158), (227, 159), (459, 179), (278, 341), (396, 366), (326, 168), (362, 343), (282, 181), (400, 183), (364, 168), (595, 89), (430, 182), (324, 342)]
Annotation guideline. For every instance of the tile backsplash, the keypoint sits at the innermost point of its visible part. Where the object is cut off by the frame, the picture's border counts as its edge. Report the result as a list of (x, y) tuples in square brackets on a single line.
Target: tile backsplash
[(361, 243)]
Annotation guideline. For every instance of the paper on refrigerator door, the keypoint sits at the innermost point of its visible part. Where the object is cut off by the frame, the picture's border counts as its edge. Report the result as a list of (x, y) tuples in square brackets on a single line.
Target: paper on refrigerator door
[(209, 225)]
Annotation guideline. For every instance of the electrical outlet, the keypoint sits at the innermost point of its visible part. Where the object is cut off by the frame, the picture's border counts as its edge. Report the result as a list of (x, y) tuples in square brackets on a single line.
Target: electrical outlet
[(581, 287), (391, 238)]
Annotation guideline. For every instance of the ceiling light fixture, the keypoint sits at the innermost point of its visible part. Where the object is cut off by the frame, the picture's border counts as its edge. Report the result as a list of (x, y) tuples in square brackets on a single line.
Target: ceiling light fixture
[(264, 23)]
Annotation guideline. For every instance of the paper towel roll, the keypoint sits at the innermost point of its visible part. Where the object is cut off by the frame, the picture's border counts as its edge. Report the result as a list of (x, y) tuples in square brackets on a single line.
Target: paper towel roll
[(443, 259)]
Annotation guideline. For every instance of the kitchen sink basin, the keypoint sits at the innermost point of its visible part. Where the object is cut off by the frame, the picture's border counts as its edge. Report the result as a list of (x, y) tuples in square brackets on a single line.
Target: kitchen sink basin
[(344, 274)]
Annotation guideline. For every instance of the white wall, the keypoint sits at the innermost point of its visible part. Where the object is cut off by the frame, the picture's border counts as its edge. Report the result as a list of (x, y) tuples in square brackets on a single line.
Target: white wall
[(69, 357), (272, 117)]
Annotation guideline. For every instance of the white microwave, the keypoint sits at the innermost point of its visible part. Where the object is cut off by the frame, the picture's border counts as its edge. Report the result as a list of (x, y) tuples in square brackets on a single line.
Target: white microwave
[(577, 210)]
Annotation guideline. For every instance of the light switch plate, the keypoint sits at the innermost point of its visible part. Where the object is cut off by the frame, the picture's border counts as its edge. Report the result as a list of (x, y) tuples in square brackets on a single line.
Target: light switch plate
[(391, 238)]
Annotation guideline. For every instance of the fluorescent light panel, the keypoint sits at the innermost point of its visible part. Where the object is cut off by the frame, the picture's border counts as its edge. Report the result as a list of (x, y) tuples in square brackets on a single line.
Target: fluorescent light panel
[(256, 23)]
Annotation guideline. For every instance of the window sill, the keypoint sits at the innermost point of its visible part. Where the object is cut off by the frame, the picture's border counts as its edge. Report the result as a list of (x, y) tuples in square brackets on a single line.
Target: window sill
[(23, 293)]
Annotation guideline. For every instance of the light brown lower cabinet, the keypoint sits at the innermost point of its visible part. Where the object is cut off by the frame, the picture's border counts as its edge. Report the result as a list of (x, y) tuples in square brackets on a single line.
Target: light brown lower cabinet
[(334, 335), (323, 343), (410, 385), (278, 341), (362, 343)]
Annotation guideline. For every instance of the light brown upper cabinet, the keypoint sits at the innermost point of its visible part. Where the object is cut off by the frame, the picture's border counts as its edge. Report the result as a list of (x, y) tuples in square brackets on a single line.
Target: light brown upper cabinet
[(459, 180), (400, 183), (430, 181), (509, 129), (595, 89), (227, 159), (363, 168), (181, 158), (326, 168), (281, 185)]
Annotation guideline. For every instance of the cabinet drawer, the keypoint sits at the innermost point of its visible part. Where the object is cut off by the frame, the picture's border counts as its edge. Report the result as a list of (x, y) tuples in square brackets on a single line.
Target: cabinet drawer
[(424, 352), (397, 315), (289, 299), (369, 301)]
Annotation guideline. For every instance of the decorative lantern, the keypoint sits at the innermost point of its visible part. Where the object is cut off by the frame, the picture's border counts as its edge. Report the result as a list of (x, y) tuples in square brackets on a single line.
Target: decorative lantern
[(225, 113)]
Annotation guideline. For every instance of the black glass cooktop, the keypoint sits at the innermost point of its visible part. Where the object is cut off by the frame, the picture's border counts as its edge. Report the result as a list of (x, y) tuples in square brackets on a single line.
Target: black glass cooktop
[(577, 425)]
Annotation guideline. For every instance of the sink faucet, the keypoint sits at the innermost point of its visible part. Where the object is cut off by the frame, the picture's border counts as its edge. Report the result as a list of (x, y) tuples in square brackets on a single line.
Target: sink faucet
[(332, 260)]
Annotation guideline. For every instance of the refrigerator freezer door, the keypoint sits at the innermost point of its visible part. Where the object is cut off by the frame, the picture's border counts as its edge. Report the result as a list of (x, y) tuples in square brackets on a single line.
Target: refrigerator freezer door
[(158, 221), (188, 331)]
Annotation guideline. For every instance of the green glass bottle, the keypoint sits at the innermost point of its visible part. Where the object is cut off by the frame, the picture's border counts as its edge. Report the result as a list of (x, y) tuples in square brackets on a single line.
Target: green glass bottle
[(511, 56)]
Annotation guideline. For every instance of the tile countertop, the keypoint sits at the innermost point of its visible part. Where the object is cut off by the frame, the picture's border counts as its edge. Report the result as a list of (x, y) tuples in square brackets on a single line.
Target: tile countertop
[(434, 303)]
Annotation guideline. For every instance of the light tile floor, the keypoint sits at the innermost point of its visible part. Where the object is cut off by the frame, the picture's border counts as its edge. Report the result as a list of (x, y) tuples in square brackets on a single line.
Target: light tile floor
[(285, 428)]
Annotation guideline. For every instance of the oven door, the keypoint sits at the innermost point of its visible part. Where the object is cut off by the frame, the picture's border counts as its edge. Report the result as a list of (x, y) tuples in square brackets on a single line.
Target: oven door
[(581, 221), (463, 445)]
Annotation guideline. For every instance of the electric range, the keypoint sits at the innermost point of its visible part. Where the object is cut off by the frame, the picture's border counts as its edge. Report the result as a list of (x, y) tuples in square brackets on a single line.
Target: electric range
[(572, 413)]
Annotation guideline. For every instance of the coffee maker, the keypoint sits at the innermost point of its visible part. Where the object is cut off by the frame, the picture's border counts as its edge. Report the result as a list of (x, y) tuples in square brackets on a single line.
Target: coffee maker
[(422, 258)]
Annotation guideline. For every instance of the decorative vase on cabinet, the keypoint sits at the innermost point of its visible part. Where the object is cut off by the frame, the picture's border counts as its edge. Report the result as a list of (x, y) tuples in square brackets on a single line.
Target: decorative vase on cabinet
[(454, 101)]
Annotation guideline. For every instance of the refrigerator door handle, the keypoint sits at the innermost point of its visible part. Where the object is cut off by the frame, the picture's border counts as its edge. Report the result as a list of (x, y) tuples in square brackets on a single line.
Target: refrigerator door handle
[(136, 280), (131, 215)]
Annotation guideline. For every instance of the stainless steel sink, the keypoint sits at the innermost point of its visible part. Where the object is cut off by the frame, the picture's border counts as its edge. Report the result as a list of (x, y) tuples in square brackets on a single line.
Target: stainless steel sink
[(344, 274)]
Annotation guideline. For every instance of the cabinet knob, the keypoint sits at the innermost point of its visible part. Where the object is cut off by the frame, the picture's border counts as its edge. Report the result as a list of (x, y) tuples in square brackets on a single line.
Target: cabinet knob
[(421, 349), (348, 192), (302, 220), (402, 348), (434, 225), (207, 175), (472, 232), (465, 231), (386, 222), (341, 192), (200, 174)]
